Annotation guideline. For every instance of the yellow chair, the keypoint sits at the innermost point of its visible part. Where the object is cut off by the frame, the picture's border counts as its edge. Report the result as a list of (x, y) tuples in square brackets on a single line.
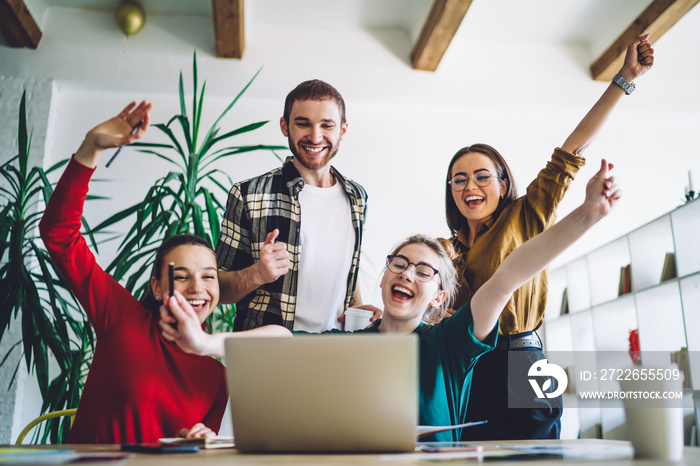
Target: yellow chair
[(42, 418)]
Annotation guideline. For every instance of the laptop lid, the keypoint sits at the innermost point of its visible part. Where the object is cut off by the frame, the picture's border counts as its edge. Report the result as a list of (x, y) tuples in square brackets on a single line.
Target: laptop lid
[(322, 393)]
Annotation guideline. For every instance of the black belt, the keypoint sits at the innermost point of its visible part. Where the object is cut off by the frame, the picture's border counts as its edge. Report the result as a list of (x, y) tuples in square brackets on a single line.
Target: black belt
[(519, 341)]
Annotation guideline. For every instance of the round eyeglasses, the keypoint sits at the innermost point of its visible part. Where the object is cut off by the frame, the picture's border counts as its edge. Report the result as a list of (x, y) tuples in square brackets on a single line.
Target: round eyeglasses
[(482, 178), (399, 264)]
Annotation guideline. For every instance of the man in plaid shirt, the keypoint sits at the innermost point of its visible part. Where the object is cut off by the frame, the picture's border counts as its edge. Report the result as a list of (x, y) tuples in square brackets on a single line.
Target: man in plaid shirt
[(289, 249)]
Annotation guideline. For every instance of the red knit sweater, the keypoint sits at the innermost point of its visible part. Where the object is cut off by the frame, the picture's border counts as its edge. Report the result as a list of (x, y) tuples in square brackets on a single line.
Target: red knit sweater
[(140, 387)]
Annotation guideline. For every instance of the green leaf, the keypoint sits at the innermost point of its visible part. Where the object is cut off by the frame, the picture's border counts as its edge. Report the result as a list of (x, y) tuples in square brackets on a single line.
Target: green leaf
[(56, 166), (116, 218), (152, 144), (198, 118), (22, 139), (237, 150), (167, 159), (210, 134), (212, 216), (242, 130), (260, 147), (194, 82), (185, 124), (181, 92), (168, 132), (278, 157)]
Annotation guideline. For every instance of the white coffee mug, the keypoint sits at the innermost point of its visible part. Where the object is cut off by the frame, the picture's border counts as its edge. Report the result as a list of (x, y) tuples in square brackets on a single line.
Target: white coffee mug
[(654, 425), (356, 319)]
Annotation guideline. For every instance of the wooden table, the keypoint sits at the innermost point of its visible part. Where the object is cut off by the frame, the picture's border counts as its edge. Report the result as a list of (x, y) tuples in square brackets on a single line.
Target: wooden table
[(608, 452)]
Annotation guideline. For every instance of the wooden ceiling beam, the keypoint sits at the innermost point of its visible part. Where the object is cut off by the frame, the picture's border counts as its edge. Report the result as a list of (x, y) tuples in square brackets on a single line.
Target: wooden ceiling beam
[(229, 28), (656, 19), (17, 25), (440, 27)]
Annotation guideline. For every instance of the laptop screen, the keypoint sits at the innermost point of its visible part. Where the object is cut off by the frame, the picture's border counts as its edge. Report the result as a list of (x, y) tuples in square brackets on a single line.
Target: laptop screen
[(320, 393)]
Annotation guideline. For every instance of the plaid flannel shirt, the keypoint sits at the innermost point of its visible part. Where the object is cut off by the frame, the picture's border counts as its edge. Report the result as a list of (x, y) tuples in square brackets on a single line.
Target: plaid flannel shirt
[(257, 206)]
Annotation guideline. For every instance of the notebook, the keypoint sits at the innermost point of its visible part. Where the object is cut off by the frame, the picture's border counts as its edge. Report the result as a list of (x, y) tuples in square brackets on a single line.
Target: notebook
[(324, 393)]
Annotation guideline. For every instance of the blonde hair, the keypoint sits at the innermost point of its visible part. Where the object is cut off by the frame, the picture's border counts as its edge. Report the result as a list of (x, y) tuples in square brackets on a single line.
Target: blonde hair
[(447, 276)]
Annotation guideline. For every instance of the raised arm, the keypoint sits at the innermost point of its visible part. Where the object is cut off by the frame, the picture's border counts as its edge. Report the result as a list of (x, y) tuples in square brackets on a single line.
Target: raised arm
[(602, 194), (60, 224), (638, 60)]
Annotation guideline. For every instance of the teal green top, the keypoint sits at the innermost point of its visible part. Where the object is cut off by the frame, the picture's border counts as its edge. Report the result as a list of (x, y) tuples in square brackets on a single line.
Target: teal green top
[(448, 353)]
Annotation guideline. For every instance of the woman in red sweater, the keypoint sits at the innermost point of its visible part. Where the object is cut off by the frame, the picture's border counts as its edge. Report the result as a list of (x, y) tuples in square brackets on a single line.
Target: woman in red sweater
[(140, 387)]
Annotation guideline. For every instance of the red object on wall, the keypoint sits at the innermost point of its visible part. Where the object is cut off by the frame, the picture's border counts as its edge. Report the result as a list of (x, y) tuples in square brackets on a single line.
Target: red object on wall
[(634, 347)]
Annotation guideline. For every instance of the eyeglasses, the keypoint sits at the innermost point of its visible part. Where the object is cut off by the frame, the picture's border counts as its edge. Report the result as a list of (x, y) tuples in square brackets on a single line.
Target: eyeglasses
[(482, 178), (423, 272)]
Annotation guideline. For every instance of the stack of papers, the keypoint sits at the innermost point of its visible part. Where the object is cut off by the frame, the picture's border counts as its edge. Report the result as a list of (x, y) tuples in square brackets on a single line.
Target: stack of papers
[(220, 441)]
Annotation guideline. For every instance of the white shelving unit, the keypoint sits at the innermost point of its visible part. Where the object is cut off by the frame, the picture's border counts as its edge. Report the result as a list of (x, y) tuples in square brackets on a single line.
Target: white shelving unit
[(596, 328)]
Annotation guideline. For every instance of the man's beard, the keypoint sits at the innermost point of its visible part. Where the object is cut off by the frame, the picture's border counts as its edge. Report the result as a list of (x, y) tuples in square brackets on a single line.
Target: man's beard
[(315, 166)]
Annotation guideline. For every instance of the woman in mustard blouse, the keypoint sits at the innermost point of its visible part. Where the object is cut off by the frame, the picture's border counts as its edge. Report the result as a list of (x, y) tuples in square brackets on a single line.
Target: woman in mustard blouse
[(488, 220)]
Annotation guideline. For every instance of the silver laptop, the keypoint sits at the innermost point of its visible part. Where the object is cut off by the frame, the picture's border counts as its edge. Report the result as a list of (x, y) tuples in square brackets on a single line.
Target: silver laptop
[(324, 393)]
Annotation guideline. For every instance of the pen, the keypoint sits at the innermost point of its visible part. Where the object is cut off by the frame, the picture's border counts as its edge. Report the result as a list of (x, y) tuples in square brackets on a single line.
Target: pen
[(171, 284), (171, 278), (133, 131)]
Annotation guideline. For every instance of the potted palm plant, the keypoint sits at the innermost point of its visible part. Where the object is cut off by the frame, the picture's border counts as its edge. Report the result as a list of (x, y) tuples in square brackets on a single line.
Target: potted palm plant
[(33, 293)]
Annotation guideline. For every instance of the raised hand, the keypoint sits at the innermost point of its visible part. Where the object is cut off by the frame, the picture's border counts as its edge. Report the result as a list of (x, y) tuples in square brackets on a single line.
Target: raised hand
[(188, 333), (639, 58), (191, 338), (114, 132), (602, 193), (274, 259)]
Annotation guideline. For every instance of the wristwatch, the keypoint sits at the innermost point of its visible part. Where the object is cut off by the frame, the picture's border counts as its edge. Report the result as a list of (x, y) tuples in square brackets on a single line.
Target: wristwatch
[(622, 82)]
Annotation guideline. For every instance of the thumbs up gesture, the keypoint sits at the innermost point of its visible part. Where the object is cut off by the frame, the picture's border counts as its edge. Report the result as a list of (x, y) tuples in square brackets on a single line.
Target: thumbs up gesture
[(274, 259)]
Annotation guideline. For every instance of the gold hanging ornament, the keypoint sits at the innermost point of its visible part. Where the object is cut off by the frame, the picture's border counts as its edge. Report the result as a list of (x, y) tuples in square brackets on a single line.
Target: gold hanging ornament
[(129, 17)]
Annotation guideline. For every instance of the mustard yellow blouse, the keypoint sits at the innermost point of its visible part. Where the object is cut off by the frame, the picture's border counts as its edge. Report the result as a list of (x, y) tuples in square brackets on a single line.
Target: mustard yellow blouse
[(521, 220)]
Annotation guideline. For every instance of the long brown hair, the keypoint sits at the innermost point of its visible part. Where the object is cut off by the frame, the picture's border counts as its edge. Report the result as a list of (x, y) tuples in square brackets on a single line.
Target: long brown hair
[(455, 219)]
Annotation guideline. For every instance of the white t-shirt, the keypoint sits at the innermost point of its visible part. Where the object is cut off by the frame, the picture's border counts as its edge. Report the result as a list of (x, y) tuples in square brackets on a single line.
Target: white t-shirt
[(326, 248)]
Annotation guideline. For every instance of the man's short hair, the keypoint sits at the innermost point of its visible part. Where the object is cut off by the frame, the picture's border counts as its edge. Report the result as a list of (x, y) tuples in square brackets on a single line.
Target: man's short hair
[(314, 89)]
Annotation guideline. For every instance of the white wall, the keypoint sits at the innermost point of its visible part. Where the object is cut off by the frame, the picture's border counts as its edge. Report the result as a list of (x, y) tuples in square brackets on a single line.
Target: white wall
[(405, 125)]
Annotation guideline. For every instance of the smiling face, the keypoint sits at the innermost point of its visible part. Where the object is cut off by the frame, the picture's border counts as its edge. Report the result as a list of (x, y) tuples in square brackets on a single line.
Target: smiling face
[(314, 132), (476, 203), (405, 298), (195, 278)]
